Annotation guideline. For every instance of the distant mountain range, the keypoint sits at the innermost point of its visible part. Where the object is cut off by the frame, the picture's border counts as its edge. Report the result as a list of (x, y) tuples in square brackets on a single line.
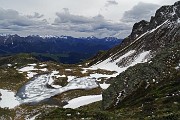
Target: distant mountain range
[(64, 49)]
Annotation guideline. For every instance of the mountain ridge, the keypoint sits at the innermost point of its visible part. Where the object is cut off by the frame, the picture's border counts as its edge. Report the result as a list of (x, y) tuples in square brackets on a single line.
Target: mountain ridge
[(66, 48), (159, 36), (145, 32)]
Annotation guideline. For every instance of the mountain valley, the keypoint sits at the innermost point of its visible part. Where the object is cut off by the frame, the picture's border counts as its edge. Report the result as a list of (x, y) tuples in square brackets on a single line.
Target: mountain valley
[(137, 79)]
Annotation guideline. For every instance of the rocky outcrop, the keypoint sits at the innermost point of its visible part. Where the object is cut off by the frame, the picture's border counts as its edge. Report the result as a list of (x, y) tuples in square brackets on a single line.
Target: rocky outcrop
[(161, 36), (136, 81)]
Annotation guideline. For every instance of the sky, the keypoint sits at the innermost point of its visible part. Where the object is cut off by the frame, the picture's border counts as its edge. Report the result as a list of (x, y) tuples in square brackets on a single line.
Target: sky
[(77, 18)]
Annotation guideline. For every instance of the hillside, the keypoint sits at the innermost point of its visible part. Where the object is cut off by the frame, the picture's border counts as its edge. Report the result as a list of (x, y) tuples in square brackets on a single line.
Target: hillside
[(149, 90), (144, 91)]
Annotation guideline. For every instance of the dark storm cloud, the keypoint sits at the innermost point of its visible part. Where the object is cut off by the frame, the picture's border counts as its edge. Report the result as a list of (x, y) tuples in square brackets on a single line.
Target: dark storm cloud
[(142, 11)]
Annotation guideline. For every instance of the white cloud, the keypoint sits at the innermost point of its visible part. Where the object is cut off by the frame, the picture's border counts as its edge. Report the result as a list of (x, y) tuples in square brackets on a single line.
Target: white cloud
[(75, 17), (167, 2), (35, 16)]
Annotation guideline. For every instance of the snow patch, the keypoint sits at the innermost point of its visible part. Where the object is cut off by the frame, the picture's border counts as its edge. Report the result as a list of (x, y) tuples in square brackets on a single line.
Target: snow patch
[(70, 78), (96, 75), (84, 71), (9, 65), (43, 65), (27, 69), (83, 100), (51, 80), (110, 65), (43, 69), (31, 74), (104, 85), (178, 20), (177, 67), (68, 70), (34, 64), (8, 99), (33, 118)]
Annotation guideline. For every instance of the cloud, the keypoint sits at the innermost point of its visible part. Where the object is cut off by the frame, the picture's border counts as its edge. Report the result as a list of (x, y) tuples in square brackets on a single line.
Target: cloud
[(36, 15), (66, 17), (141, 11), (168, 2), (96, 25), (12, 22), (11, 17), (111, 3), (65, 23)]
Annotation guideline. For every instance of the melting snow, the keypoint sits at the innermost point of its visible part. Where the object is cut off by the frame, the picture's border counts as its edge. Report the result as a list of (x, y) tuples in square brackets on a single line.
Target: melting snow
[(84, 71), (96, 75), (112, 66), (108, 65), (177, 67), (36, 90), (178, 20), (70, 78), (68, 70), (31, 74), (33, 118), (8, 99), (104, 86), (9, 65), (55, 74), (83, 100), (34, 64), (27, 68), (42, 65), (51, 80), (43, 69), (41, 87)]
